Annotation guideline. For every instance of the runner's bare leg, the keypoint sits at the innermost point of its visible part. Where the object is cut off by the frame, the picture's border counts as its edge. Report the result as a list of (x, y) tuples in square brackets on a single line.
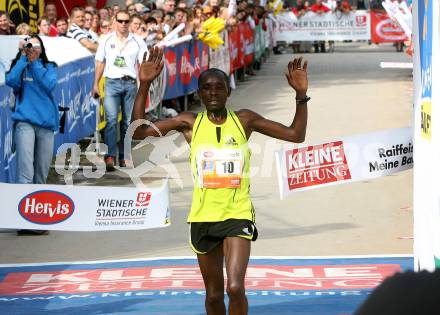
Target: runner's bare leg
[(236, 251), (211, 267)]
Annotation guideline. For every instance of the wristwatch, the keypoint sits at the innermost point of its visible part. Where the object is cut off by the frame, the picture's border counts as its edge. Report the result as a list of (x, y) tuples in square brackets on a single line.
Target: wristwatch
[(303, 101)]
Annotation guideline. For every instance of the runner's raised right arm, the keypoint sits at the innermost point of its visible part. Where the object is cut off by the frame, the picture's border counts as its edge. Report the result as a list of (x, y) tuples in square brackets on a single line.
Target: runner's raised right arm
[(148, 71)]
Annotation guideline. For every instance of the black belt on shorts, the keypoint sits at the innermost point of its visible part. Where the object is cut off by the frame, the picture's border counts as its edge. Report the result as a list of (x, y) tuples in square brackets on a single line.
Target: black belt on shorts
[(124, 78)]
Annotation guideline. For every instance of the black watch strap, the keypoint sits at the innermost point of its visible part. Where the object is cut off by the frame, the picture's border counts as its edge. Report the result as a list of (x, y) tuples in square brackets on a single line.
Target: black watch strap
[(303, 101)]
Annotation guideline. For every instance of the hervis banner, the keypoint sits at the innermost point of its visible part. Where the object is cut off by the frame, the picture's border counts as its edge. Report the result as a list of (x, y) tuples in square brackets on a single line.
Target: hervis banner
[(344, 160), (81, 208)]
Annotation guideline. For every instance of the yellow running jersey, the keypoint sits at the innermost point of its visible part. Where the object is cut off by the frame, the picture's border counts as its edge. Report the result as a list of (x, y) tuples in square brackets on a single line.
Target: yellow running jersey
[(220, 159)]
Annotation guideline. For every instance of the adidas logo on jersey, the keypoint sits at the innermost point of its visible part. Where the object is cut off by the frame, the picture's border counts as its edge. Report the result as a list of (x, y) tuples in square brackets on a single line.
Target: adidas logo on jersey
[(231, 141)]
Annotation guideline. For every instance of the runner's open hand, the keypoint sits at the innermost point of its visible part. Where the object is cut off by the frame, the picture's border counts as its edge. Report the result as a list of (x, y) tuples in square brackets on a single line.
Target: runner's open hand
[(297, 77), (152, 67)]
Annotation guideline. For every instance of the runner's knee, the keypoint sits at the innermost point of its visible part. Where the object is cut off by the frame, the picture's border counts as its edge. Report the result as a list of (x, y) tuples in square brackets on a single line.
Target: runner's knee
[(235, 289), (214, 297)]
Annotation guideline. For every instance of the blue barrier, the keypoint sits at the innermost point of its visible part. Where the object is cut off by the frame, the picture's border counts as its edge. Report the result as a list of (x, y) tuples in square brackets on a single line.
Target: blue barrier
[(75, 82), (7, 158), (184, 63)]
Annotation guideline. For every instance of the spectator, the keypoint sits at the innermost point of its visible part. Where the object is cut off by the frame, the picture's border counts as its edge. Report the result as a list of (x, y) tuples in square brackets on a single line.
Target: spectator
[(331, 4), (95, 23), (118, 57), (169, 6), (33, 79), (77, 32), (343, 6), (88, 22), (116, 9), (103, 14), (62, 26), (43, 25), (143, 11), (23, 29), (50, 11), (6, 26), (110, 11), (182, 4), (152, 33), (300, 8), (180, 16), (105, 27), (131, 9), (135, 24), (158, 15), (319, 8), (91, 9)]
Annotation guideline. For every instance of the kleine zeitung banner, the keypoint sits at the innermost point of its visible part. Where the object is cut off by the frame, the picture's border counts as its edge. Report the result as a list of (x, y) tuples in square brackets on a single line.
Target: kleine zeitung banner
[(343, 160)]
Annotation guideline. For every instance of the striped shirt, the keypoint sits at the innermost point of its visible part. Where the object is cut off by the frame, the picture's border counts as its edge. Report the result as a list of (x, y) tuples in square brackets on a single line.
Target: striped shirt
[(79, 33)]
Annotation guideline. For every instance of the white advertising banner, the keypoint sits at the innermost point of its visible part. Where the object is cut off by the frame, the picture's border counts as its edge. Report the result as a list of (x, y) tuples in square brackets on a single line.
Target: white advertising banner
[(219, 58), (343, 160), (426, 134), (327, 26), (83, 208)]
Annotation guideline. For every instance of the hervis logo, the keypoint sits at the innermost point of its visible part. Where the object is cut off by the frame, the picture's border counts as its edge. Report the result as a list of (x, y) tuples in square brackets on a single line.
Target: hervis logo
[(46, 207)]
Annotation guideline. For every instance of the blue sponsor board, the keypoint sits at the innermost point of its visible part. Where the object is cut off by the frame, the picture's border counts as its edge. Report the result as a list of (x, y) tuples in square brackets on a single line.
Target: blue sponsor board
[(328, 286), (75, 82), (184, 63), (7, 157), (425, 15)]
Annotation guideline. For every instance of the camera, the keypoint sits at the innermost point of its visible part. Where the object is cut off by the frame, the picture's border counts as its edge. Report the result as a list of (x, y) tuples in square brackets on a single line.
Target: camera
[(28, 44)]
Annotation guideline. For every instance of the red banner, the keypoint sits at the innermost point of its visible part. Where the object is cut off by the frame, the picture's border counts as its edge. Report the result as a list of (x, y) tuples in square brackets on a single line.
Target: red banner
[(247, 41), (234, 43), (384, 29), (241, 46)]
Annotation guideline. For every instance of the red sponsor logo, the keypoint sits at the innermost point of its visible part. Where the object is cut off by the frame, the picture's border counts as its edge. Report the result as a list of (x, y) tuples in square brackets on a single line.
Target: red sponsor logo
[(208, 154), (258, 277), (143, 199), (186, 69), (171, 63), (205, 58), (361, 20), (197, 66), (316, 165), (390, 31), (383, 29), (46, 207)]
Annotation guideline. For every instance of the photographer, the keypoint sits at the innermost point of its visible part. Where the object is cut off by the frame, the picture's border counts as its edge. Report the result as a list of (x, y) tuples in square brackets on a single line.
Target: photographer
[(33, 79), (150, 32)]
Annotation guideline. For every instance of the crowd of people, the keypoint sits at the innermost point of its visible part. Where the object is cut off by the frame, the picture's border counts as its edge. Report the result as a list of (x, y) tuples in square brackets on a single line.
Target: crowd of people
[(151, 21)]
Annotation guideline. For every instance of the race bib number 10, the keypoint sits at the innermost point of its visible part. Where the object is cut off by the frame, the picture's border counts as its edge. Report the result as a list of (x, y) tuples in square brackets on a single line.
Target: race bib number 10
[(220, 168)]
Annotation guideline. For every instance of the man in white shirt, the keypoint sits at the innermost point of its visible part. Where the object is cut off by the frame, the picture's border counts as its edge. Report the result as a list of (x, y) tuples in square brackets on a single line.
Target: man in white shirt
[(77, 31), (117, 58)]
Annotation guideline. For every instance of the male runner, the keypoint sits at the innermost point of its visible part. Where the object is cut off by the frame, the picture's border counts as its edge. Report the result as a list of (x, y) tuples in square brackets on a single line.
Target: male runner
[(222, 219)]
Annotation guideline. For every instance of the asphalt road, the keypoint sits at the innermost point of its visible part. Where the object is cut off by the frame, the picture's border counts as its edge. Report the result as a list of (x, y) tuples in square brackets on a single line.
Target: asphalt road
[(350, 94)]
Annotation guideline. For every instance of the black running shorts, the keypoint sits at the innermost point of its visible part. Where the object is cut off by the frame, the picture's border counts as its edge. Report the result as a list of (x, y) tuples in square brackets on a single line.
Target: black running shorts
[(205, 236)]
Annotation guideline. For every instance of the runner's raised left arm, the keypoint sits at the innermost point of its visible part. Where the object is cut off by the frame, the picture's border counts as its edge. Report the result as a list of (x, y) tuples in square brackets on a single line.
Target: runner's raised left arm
[(296, 132)]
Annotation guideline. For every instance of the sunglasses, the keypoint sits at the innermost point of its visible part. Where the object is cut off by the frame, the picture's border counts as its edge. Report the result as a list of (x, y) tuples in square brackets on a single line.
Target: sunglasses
[(123, 21)]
